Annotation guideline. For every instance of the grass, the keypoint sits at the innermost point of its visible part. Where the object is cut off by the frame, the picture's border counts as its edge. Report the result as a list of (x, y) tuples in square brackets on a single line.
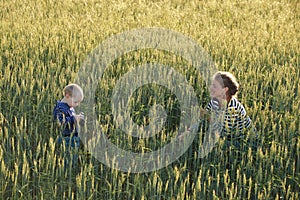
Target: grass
[(43, 45)]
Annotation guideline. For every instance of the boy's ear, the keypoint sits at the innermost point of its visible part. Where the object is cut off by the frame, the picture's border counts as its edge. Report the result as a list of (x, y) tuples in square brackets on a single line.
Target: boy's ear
[(67, 95)]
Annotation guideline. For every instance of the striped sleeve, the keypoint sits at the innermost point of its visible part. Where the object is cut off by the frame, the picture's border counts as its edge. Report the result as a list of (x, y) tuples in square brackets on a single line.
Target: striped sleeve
[(213, 105), (244, 121), (208, 107)]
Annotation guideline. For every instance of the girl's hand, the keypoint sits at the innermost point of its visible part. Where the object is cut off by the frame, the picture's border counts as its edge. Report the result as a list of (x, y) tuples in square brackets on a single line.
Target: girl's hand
[(204, 114), (182, 135)]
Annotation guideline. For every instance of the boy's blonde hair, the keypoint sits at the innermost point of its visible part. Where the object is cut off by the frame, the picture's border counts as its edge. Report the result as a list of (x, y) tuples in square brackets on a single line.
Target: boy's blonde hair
[(73, 90)]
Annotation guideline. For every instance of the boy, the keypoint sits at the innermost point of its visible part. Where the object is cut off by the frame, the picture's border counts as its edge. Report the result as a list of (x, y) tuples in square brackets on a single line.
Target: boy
[(67, 120)]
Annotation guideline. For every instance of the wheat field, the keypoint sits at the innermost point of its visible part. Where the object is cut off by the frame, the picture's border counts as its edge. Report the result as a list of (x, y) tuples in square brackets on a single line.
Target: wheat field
[(43, 46)]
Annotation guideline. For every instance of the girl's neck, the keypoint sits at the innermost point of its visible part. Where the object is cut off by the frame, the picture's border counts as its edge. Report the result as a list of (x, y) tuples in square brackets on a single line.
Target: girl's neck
[(228, 98), (224, 101)]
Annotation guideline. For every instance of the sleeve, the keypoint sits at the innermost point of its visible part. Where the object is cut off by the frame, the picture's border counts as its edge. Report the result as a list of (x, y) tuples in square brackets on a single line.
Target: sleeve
[(209, 106), (244, 121), (61, 117)]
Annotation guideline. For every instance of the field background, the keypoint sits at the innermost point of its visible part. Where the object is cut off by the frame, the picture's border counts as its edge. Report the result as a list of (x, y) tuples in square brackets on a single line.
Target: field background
[(43, 44)]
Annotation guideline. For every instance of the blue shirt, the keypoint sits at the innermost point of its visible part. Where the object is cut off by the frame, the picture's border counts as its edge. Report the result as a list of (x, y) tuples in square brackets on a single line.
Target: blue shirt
[(64, 114)]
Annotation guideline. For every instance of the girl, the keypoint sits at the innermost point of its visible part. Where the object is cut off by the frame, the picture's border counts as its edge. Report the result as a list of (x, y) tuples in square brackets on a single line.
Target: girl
[(224, 110), (229, 112)]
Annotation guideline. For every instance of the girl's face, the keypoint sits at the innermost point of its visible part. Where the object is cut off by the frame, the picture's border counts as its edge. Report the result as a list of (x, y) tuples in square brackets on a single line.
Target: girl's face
[(217, 91)]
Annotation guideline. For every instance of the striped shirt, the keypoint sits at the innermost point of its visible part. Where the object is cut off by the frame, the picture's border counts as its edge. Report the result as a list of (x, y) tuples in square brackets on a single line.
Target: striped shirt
[(232, 119)]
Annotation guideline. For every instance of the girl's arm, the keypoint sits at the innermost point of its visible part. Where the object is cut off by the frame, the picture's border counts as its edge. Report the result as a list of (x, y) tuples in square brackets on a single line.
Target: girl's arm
[(204, 114)]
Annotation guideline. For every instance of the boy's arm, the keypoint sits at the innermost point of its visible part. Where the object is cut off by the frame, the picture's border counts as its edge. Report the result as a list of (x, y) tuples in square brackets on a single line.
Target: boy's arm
[(61, 118)]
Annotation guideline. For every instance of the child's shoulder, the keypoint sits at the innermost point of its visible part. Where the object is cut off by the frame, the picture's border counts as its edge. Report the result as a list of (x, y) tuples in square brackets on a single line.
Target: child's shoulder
[(61, 106), (213, 104), (236, 105)]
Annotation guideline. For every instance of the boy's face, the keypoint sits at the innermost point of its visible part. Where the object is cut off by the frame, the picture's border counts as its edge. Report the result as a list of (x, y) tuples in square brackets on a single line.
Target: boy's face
[(73, 101)]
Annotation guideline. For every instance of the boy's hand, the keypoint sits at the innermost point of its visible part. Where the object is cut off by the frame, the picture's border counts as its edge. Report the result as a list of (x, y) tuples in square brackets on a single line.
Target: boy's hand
[(79, 117)]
